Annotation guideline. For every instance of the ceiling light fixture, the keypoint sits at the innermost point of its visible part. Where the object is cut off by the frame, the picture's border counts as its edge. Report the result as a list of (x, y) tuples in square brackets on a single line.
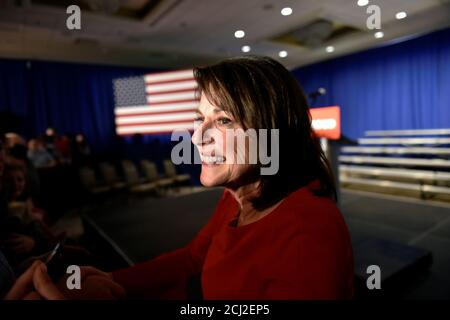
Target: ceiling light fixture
[(329, 49), (246, 49), (282, 54), (401, 15), (239, 34), (286, 11), (363, 3), (379, 34)]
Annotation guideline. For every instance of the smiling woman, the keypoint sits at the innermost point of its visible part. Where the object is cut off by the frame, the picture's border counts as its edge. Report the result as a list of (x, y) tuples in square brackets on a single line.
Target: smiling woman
[(259, 93), (277, 236)]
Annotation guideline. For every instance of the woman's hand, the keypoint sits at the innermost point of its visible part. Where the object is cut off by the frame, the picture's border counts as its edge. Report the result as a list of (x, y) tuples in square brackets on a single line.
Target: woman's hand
[(95, 285), (19, 243), (34, 284)]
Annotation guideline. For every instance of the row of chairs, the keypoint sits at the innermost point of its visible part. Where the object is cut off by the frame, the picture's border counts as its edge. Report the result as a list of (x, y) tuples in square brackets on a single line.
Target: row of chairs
[(151, 181)]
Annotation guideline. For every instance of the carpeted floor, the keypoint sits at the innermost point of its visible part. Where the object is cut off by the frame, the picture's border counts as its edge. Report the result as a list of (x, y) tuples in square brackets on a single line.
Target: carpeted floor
[(422, 224), (144, 228)]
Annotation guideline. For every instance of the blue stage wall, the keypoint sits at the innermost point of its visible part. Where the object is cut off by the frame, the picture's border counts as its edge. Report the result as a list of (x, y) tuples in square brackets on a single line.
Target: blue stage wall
[(401, 86)]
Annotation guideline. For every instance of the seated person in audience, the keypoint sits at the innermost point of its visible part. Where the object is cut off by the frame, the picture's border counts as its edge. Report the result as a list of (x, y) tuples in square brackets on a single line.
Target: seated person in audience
[(2, 159), (38, 155), (26, 233), (63, 147), (81, 152), (49, 139), (13, 139), (23, 230), (272, 236), (7, 277), (3, 195), (17, 156), (6, 274), (18, 191)]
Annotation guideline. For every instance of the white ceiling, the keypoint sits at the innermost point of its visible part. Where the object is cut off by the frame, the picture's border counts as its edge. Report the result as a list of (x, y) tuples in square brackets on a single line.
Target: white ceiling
[(182, 33)]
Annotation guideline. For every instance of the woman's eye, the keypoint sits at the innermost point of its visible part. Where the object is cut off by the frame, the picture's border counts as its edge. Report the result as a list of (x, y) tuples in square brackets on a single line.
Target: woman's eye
[(198, 120), (224, 121)]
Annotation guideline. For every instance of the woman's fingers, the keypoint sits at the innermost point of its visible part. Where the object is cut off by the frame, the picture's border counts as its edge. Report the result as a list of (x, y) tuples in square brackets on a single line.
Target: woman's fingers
[(13, 234), (44, 285), (20, 248), (20, 244), (95, 287), (23, 285), (33, 296), (35, 283), (89, 271), (14, 241), (116, 290)]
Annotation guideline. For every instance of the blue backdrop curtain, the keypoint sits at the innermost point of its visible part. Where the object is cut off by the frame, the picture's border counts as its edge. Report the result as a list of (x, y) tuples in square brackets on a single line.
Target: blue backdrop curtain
[(401, 86), (77, 98), (72, 98)]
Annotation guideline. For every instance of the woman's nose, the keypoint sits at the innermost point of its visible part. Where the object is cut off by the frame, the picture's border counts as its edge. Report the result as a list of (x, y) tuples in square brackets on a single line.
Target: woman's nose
[(202, 135)]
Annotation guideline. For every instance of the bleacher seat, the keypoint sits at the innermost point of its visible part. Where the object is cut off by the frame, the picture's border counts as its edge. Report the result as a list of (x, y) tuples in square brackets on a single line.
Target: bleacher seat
[(402, 160)]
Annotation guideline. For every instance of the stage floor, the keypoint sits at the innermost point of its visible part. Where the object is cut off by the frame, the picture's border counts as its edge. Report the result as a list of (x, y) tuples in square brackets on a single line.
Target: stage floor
[(144, 228), (417, 223)]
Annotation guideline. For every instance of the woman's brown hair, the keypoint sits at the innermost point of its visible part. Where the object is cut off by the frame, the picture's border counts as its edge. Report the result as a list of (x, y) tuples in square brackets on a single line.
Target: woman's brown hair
[(261, 93)]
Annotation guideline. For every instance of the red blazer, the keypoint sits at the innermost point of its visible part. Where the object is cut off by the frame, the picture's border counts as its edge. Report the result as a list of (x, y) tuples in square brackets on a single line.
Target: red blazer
[(301, 250)]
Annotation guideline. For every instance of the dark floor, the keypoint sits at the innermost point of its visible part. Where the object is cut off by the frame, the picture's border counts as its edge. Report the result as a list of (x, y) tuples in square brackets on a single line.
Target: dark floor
[(144, 228), (415, 223)]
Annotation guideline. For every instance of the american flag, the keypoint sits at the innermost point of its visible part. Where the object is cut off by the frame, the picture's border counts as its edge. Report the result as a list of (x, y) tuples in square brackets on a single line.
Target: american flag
[(155, 103)]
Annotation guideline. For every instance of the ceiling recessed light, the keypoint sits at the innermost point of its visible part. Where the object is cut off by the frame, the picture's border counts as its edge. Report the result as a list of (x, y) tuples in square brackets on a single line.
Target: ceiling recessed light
[(286, 11), (239, 34), (246, 49), (363, 3), (329, 49), (282, 54), (401, 15), (379, 34)]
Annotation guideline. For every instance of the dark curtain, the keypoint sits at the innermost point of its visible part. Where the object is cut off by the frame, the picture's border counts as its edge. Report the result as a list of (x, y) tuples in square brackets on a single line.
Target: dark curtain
[(401, 86), (76, 98), (72, 98)]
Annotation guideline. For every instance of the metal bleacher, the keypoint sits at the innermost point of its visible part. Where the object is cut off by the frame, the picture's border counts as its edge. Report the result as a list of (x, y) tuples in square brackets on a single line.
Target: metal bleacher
[(416, 161)]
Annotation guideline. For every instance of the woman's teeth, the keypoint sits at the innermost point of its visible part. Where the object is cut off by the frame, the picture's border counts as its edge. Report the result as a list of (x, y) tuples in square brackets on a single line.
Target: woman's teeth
[(213, 160)]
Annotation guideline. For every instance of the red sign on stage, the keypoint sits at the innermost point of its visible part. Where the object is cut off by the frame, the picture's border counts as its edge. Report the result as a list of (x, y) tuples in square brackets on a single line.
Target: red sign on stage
[(326, 122)]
